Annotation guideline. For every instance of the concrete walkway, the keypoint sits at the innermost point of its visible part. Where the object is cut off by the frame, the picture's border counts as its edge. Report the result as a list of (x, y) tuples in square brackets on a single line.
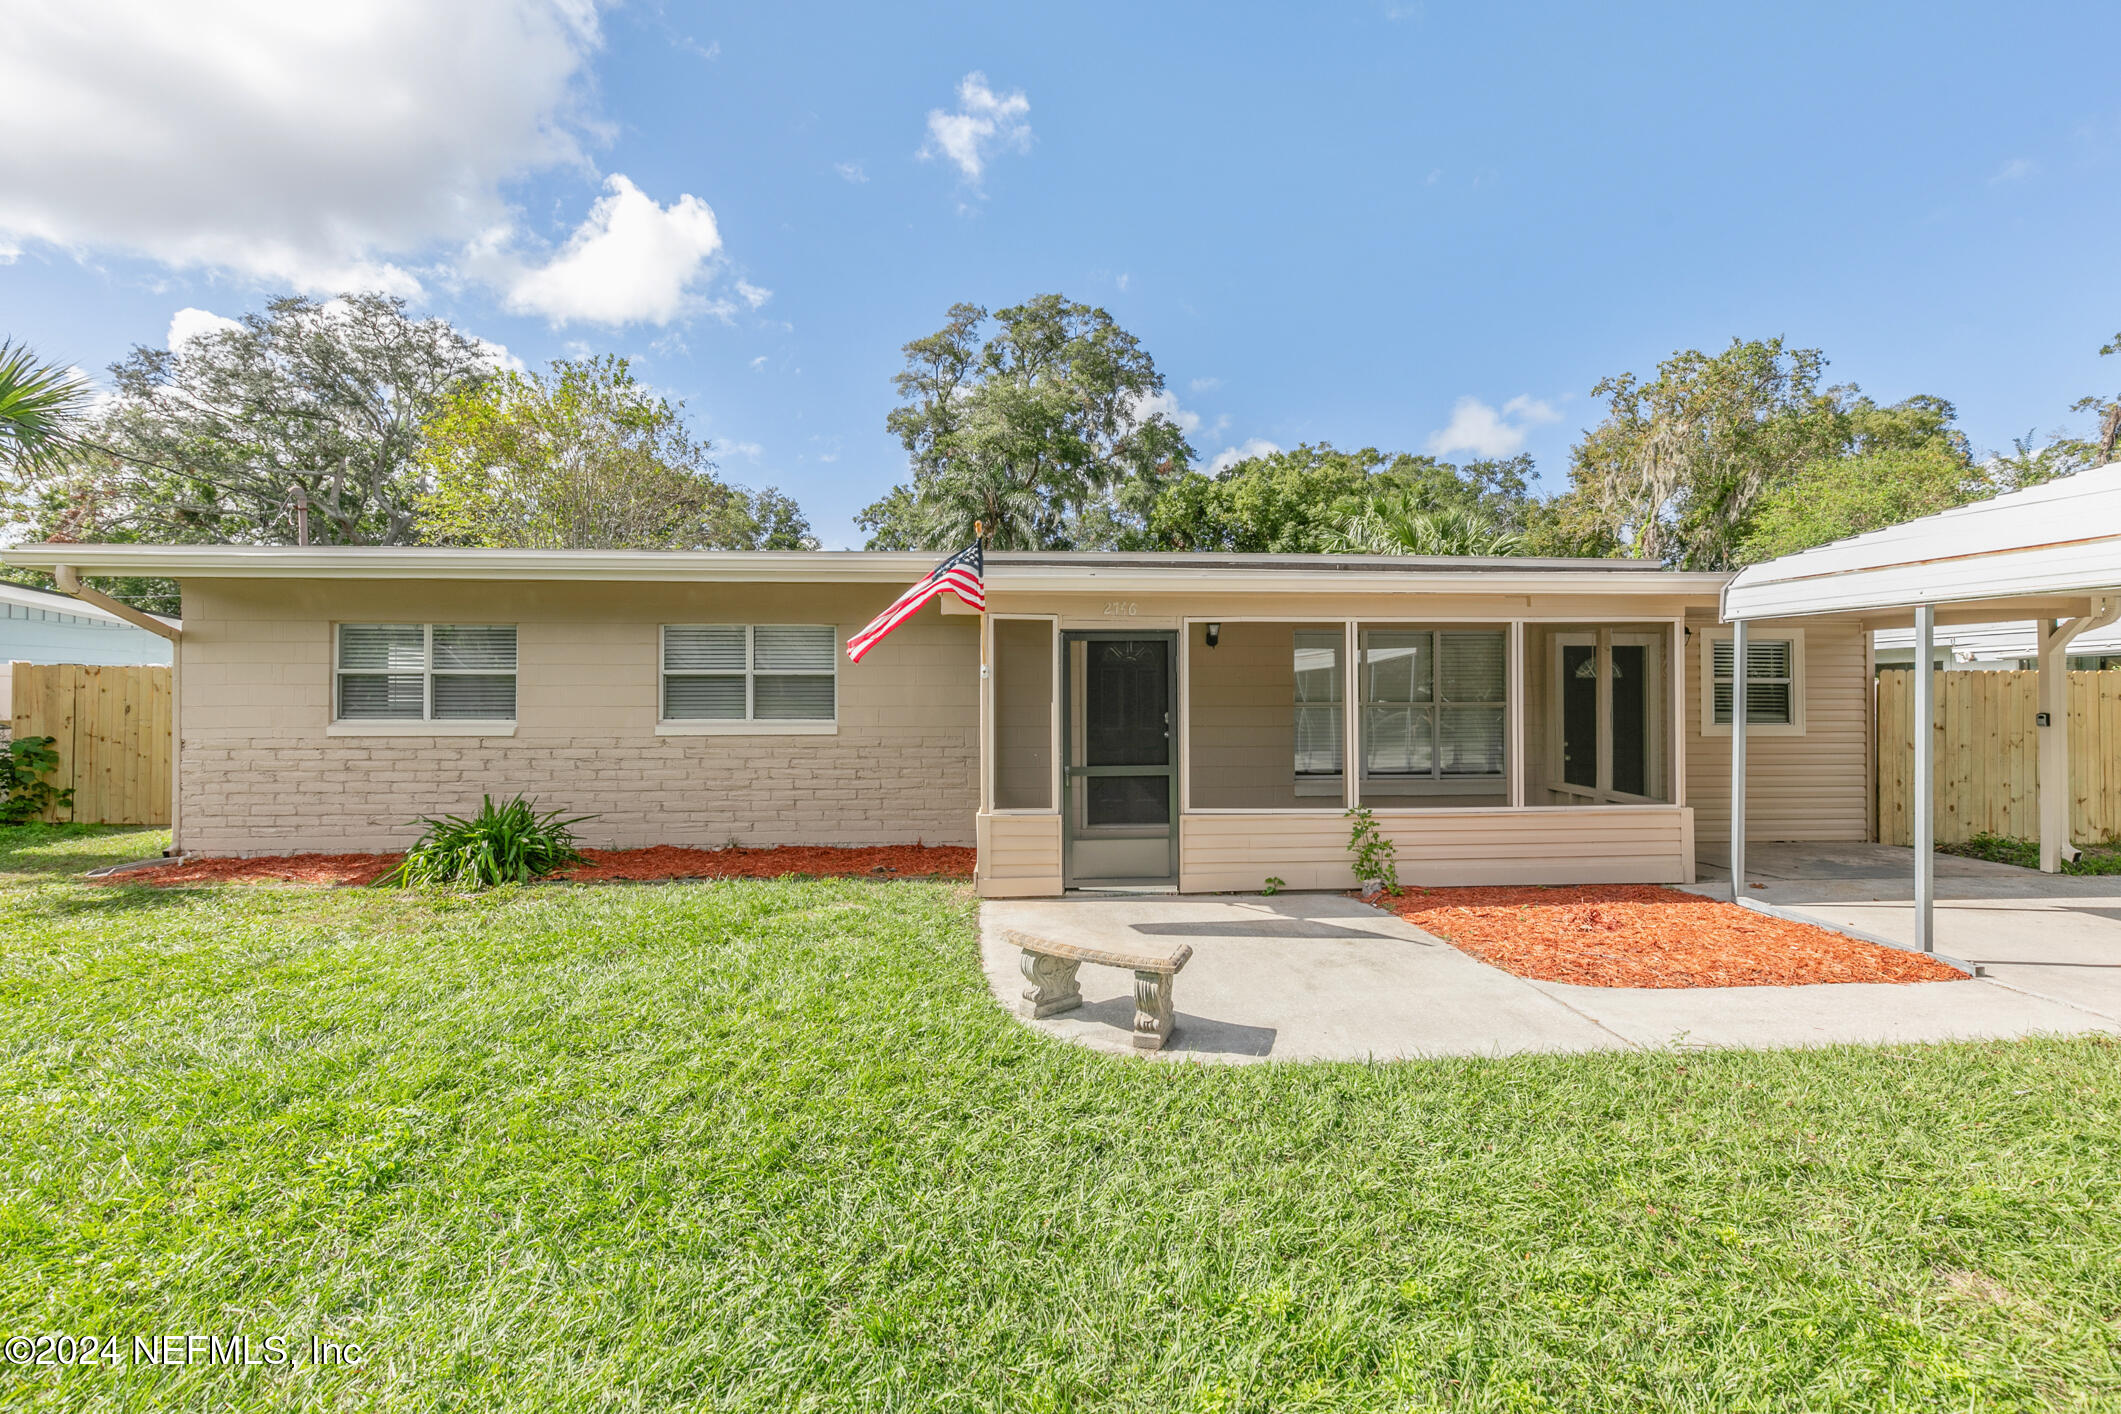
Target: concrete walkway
[(1324, 977)]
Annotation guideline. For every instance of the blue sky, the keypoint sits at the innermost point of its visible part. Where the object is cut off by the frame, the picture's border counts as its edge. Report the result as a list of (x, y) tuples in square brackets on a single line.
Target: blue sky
[(1411, 226)]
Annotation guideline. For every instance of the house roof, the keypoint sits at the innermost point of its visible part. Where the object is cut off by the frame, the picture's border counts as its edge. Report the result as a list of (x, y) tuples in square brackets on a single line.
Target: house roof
[(21, 596), (2063, 537), (1986, 643), (1006, 570)]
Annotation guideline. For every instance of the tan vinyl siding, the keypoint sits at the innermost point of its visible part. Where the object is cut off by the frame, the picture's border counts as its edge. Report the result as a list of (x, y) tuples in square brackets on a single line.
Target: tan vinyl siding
[(1809, 787), (262, 773), (1241, 711), (1640, 844), (1019, 856), (1023, 714)]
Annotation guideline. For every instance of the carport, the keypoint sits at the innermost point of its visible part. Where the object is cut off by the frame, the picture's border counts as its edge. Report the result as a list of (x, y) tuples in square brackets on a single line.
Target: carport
[(2050, 554)]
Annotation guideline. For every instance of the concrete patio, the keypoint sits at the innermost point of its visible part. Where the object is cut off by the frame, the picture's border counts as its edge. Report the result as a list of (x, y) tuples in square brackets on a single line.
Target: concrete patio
[(1325, 977)]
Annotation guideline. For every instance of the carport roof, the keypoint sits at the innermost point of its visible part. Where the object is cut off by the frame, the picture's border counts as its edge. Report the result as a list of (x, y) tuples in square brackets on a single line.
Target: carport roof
[(2057, 539)]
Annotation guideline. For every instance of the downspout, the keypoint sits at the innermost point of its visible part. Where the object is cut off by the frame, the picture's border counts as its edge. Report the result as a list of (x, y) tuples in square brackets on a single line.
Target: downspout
[(2056, 847), (69, 581)]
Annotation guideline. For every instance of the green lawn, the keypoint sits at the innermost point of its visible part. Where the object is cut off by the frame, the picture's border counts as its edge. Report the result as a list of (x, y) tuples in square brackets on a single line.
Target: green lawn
[(770, 1146)]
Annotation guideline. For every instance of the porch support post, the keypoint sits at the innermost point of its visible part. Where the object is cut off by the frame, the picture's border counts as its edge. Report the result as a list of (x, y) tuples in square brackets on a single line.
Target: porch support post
[(1925, 780), (2053, 732), (1738, 637), (1516, 711)]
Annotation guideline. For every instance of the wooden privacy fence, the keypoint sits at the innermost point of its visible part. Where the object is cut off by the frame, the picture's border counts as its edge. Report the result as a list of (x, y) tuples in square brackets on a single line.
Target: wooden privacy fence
[(111, 729), (1987, 749)]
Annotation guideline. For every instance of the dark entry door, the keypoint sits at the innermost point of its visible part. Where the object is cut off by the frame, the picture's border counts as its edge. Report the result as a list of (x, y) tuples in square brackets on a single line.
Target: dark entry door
[(1120, 699)]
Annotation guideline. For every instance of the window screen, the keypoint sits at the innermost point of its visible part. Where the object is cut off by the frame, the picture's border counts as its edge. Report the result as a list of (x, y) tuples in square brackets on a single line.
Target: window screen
[(1318, 704), (740, 672), (1434, 702)]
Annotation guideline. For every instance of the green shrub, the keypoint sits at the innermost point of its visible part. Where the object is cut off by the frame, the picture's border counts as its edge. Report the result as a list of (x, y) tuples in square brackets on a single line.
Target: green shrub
[(502, 844), (1376, 858), (24, 793), (2002, 849)]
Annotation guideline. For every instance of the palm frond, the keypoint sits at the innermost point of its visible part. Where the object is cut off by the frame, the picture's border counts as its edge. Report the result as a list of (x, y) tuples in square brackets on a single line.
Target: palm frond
[(41, 406)]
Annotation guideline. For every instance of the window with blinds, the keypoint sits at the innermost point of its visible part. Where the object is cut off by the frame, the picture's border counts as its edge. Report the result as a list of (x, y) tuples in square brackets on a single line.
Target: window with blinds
[(750, 672), (1318, 704), (1770, 680), (425, 672), (1434, 703)]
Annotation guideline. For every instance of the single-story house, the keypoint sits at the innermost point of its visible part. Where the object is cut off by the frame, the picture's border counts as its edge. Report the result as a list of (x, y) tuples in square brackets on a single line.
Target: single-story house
[(1190, 721), (1990, 647), (37, 626)]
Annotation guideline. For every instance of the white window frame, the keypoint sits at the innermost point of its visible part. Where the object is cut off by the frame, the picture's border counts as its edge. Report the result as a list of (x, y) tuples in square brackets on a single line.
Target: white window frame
[(748, 724), (1322, 783), (1657, 752), (1436, 781), (426, 724), (1795, 725)]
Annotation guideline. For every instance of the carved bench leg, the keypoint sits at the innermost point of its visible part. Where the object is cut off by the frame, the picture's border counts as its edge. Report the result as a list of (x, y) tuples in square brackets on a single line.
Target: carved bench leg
[(1152, 1010), (1053, 988)]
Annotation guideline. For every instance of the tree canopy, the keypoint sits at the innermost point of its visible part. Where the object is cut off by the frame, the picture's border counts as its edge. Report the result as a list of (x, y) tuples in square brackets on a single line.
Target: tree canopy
[(1044, 422), (1681, 463), (217, 439), (1302, 501), (584, 457)]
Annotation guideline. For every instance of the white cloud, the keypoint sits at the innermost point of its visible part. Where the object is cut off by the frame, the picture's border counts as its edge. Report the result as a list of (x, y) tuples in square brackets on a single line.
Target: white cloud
[(1204, 385), (985, 123), (630, 261), (1487, 432), (336, 147), (498, 358), (758, 364), (750, 450), (851, 171), (1123, 281), (188, 323), (2014, 170), (308, 145), (9, 252), (1231, 456), (1165, 402), (753, 294)]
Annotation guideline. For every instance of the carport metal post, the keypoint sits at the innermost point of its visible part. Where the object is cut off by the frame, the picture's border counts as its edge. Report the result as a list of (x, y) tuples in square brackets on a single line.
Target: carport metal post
[(1925, 780), (1737, 755)]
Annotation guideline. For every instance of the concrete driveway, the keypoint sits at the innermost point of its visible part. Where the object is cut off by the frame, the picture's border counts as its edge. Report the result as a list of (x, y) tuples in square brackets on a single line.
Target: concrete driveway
[(1325, 977), (2056, 937)]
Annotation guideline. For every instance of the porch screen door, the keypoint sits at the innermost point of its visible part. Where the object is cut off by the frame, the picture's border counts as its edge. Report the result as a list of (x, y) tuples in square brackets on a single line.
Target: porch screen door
[(1611, 741), (1120, 771)]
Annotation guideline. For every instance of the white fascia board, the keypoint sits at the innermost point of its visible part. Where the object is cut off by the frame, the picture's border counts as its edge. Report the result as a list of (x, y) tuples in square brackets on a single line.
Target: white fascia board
[(827, 566), (2083, 567), (1214, 580), (390, 562)]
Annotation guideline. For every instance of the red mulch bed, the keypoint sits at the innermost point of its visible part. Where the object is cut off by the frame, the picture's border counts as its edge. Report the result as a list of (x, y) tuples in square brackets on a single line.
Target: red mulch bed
[(605, 866), (1641, 935)]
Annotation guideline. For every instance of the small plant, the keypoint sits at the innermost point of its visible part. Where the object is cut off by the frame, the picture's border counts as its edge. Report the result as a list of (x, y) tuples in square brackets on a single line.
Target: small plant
[(1273, 885), (24, 793), (502, 844), (1376, 857)]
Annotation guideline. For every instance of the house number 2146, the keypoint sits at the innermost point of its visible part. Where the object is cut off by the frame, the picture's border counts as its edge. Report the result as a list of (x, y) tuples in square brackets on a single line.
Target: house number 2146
[(1120, 608)]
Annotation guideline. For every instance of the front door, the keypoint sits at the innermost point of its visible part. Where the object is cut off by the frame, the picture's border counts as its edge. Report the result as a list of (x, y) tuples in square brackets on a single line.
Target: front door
[(1119, 699)]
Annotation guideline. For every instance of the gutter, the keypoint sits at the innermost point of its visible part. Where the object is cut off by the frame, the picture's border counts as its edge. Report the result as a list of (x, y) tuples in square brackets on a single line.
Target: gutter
[(70, 582)]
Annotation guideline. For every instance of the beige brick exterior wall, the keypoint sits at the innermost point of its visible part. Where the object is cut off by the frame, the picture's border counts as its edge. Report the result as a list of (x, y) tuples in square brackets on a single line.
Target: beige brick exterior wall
[(262, 773)]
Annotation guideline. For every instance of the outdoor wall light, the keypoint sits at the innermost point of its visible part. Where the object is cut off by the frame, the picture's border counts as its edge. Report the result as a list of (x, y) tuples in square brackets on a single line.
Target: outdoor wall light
[(1215, 634)]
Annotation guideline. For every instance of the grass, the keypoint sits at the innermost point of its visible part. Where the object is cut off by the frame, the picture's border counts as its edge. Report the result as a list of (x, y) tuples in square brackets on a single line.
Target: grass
[(2002, 849), (770, 1146)]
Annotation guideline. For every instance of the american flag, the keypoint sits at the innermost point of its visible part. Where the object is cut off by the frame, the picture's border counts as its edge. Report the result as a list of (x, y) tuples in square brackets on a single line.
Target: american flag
[(959, 575)]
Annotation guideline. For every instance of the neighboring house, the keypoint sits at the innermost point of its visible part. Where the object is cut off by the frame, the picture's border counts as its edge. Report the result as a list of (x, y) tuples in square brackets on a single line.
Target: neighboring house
[(40, 627), (1197, 721), (1995, 646)]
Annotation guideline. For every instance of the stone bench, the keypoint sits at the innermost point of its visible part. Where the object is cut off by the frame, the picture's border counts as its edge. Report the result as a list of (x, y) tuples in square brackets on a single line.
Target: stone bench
[(1049, 967)]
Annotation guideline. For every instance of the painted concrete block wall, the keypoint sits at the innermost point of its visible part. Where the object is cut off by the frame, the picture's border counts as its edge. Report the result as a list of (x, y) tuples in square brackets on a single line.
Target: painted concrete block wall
[(263, 772)]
